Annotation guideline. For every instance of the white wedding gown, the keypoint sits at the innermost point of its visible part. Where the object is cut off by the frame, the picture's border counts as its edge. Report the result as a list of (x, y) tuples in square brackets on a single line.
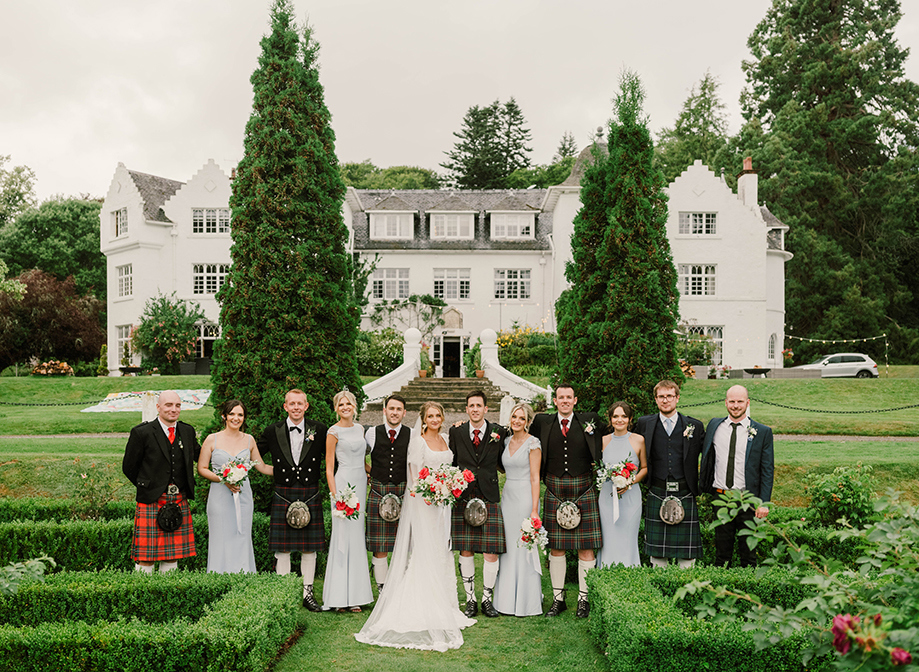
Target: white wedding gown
[(418, 608)]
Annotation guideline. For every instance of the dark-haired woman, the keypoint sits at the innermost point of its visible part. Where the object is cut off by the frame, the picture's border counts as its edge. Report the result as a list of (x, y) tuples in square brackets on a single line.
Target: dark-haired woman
[(229, 506), (620, 509)]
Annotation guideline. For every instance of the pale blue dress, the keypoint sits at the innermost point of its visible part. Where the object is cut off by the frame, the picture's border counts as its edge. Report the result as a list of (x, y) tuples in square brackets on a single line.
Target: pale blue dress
[(620, 538), (518, 590), (229, 541), (347, 572)]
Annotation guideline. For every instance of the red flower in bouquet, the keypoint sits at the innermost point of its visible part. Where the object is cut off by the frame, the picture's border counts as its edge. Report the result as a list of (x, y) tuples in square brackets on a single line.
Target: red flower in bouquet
[(457, 493), (468, 476), (423, 473)]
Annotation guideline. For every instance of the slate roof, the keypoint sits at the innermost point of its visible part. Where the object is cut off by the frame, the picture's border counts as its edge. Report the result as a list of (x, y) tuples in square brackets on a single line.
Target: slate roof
[(422, 201), (155, 191)]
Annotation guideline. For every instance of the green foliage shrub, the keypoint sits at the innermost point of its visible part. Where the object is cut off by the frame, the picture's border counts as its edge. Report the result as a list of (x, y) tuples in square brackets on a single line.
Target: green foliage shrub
[(847, 493), (379, 352), (168, 332)]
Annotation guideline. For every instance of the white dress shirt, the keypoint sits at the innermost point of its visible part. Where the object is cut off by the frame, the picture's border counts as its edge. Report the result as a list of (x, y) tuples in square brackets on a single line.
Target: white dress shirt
[(722, 445)]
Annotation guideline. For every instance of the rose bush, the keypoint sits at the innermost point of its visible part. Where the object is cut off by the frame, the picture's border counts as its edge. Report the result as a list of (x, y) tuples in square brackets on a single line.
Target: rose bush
[(168, 332)]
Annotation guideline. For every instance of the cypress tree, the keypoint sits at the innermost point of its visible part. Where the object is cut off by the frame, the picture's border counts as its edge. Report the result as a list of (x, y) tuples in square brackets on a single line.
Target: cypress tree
[(287, 310), (616, 322)]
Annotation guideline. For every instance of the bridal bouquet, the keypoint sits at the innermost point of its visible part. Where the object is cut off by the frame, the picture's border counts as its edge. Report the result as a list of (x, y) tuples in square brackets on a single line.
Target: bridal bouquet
[(345, 504), (443, 485), (622, 474), (235, 471), (533, 534)]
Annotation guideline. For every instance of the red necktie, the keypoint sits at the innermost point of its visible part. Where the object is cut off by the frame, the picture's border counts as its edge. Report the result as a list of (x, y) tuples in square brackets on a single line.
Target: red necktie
[(475, 437), (172, 434), (392, 436), (565, 427)]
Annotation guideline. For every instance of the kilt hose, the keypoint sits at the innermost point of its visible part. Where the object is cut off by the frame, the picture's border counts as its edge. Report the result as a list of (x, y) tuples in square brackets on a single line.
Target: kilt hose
[(150, 543), (683, 540), (284, 538), (381, 534), (580, 490), (486, 538)]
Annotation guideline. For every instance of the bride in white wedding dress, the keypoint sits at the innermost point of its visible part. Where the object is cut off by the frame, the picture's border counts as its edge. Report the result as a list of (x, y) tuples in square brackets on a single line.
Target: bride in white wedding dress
[(418, 608)]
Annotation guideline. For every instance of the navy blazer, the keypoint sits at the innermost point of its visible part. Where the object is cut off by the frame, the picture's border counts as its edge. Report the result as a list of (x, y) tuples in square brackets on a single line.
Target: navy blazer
[(759, 460), (692, 447)]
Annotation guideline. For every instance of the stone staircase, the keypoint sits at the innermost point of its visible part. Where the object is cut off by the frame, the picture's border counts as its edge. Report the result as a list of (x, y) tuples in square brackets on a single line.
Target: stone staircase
[(450, 392)]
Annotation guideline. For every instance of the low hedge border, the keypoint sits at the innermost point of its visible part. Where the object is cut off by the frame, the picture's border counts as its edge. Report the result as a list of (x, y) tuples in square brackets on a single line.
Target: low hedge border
[(639, 626), (116, 621), (87, 545)]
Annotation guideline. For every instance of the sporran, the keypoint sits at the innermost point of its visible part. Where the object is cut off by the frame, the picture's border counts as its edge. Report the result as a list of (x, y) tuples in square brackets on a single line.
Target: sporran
[(390, 507), (568, 515), (672, 511), (475, 513)]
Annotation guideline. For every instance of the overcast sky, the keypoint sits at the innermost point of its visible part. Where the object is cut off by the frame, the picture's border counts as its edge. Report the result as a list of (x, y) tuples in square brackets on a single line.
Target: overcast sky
[(163, 85)]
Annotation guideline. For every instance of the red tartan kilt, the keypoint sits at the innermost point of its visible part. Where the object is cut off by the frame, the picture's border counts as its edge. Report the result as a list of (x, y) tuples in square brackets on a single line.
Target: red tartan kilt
[(486, 538), (151, 543), (579, 489)]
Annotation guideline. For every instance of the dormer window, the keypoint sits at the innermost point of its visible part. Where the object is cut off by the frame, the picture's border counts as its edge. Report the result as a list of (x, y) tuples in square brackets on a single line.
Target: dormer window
[(698, 223), (512, 225), (391, 225), (452, 225)]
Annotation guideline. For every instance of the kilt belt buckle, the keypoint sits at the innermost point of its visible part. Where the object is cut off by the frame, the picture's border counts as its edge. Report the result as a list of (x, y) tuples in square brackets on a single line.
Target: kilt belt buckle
[(673, 486), (172, 489)]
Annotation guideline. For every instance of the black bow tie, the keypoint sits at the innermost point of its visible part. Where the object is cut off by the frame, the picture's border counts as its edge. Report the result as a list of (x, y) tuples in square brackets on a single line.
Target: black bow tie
[(295, 428)]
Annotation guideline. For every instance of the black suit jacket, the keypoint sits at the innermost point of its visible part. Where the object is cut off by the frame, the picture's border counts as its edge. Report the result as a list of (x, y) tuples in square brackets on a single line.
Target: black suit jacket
[(484, 462), (544, 422), (692, 447), (147, 462), (275, 440), (759, 459)]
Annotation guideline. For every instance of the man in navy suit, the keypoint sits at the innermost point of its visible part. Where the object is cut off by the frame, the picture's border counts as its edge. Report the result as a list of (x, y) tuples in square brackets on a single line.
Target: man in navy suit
[(737, 455)]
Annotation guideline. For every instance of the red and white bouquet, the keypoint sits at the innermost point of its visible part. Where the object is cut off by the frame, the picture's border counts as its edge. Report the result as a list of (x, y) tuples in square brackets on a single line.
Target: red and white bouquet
[(345, 504), (235, 471), (533, 534), (442, 485), (621, 474)]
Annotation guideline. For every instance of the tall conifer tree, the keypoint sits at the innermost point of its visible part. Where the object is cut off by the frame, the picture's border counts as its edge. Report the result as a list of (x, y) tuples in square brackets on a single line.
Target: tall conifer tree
[(616, 322), (287, 310)]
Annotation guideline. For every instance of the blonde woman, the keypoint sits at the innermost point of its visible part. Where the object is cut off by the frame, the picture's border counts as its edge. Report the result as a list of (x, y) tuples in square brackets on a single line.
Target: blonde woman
[(347, 574)]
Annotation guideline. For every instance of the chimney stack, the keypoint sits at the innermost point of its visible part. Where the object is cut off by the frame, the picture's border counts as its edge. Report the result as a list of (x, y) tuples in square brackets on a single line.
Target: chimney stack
[(748, 185)]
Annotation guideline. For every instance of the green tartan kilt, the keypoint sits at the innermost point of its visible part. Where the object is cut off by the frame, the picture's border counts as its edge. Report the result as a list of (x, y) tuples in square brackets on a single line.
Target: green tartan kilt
[(381, 534), (284, 538), (683, 540), (579, 489), (486, 538)]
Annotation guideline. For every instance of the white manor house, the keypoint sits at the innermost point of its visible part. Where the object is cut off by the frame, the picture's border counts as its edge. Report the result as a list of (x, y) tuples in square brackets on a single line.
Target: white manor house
[(496, 257)]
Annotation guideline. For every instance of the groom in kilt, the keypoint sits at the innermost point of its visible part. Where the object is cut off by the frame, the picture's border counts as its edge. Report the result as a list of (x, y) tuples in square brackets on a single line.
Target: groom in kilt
[(477, 445), (674, 443), (159, 460), (297, 447), (388, 448), (571, 444)]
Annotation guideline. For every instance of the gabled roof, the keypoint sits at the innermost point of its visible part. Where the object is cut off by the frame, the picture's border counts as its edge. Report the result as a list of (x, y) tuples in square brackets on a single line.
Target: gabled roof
[(155, 191), (771, 220), (395, 203), (513, 202), (453, 203)]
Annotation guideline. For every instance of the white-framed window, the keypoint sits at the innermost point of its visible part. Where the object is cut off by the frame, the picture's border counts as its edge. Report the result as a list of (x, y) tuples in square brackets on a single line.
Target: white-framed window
[(770, 349), (124, 343), (208, 332), (698, 223), (451, 283), (392, 225), (512, 283), (697, 279), (452, 226), (125, 280), (390, 283), (210, 220), (512, 225), (120, 222), (714, 333), (209, 278)]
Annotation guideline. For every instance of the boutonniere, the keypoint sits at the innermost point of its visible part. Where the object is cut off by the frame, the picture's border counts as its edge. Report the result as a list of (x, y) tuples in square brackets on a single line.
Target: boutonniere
[(688, 432), (495, 436), (310, 435), (589, 427), (751, 432)]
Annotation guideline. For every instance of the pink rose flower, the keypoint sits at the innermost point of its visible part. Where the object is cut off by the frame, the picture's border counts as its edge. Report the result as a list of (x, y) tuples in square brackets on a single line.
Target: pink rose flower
[(842, 626), (900, 657)]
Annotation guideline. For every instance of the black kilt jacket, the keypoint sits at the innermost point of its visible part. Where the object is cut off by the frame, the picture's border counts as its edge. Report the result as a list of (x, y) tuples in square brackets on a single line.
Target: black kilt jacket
[(276, 441), (484, 461), (147, 462)]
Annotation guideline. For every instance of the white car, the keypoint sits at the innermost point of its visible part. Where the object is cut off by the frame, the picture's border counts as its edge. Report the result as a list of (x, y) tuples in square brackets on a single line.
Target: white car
[(844, 365)]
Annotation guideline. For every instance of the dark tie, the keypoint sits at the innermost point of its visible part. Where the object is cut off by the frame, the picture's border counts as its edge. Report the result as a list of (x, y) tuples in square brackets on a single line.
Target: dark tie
[(392, 436), (475, 437), (565, 427), (732, 451), (172, 434), (295, 428)]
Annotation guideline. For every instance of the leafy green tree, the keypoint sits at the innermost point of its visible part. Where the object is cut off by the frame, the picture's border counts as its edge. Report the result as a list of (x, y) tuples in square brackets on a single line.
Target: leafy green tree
[(616, 322), (50, 320), (168, 332), (61, 236), (834, 124), (358, 175), (13, 288), (541, 176), (567, 147), (700, 131), (17, 191), (365, 175), (288, 315)]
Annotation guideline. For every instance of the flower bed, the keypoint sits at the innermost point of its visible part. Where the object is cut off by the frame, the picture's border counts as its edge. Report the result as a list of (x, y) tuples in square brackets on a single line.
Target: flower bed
[(132, 621), (639, 626)]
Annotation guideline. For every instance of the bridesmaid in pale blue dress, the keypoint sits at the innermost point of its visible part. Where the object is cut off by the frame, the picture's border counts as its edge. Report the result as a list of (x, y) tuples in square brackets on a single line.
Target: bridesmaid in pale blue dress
[(229, 507), (518, 590), (620, 534), (347, 572)]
